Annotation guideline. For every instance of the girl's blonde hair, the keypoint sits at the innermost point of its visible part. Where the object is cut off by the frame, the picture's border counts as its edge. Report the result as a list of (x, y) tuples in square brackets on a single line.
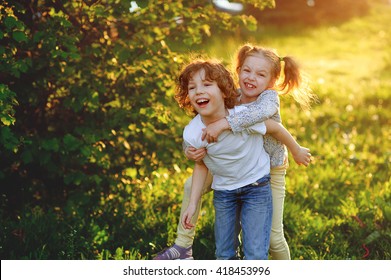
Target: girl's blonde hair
[(293, 81), (214, 71)]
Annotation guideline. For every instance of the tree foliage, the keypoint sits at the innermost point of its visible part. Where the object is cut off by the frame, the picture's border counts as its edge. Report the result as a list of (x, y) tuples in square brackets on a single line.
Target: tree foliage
[(86, 91)]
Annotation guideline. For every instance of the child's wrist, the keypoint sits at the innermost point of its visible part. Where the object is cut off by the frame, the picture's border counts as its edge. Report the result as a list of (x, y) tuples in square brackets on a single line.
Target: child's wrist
[(296, 150), (226, 125), (192, 205)]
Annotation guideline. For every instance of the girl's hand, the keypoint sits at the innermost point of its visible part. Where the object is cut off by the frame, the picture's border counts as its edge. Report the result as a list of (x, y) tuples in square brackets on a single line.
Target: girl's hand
[(213, 130), (195, 154), (302, 156), (187, 215)]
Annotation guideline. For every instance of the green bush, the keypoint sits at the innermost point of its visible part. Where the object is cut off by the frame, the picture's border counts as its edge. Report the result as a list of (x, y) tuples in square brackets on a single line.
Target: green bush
[(86, 89)]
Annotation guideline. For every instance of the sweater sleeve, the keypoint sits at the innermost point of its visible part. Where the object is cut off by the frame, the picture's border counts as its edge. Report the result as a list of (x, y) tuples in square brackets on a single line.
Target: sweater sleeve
[(262, 109)]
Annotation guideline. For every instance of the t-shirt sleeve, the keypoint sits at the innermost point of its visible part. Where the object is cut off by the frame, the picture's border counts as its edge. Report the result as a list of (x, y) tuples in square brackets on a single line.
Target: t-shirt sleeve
[(192, 134)]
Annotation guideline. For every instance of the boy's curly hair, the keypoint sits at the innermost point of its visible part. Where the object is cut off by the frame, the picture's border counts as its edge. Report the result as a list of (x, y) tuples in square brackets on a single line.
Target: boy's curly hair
[(214, 71)]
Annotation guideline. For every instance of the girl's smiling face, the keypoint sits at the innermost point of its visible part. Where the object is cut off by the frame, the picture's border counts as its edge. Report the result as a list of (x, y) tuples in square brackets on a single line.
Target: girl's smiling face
[(206, 97), (255, 77)]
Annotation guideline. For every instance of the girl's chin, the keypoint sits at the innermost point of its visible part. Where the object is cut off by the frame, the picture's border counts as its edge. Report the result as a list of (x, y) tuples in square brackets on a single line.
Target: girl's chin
[(249, 91), (250, 94), (248, 98)]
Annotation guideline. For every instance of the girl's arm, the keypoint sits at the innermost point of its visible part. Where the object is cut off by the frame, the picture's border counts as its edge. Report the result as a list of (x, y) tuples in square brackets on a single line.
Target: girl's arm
[(262, 109), (200, 173), (300, 154)]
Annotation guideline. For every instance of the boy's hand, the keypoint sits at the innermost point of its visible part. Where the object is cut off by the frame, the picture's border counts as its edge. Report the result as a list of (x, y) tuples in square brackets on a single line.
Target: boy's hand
[(213, 130), (195, 154), (187, 215), (302, 156)]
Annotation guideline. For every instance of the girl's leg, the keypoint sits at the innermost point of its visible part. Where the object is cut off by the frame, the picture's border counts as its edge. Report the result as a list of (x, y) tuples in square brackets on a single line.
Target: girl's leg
[(256, 219), (226, 215), (185, 237), (279, 248), (182, 249)]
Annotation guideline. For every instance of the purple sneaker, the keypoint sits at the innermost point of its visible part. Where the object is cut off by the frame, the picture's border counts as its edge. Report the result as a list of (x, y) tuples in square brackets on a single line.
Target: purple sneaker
[(175, 252)]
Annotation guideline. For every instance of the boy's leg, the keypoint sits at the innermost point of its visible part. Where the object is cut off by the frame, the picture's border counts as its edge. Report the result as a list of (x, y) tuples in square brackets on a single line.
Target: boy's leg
[(256, 219), (226, 214), (279, 248), (184, 241)]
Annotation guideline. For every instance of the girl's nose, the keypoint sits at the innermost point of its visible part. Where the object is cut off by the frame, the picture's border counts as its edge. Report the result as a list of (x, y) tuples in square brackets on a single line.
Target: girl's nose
[(251, 76)]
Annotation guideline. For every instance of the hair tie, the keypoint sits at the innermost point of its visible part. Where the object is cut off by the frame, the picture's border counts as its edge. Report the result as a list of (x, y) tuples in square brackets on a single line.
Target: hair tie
[(281, 59)]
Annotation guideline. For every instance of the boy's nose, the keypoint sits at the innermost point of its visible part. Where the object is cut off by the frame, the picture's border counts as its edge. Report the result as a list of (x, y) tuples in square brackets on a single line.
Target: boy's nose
[(199, 91)]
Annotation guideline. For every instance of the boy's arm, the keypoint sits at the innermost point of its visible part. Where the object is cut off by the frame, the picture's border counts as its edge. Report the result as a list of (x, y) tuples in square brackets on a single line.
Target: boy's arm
[(301, 155), (200, 173)]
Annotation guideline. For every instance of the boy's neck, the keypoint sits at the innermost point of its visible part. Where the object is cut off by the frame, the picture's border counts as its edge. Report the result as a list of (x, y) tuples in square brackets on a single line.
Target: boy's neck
[(215, 117)]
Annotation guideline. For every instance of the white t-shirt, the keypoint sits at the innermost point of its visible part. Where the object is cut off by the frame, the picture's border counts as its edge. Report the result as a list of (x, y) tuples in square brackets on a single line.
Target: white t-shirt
[(235, 160)]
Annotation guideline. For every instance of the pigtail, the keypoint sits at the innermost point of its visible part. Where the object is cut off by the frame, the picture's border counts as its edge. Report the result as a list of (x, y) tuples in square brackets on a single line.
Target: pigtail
[(291, 78), (296, 83)]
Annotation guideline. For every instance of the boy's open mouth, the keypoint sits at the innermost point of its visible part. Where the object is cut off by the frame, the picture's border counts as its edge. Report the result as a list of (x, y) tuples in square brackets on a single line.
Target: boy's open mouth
[(202, 101)]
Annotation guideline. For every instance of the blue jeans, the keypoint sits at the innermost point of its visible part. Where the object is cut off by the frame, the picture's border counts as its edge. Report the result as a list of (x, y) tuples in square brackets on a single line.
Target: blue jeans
[(250, 205)]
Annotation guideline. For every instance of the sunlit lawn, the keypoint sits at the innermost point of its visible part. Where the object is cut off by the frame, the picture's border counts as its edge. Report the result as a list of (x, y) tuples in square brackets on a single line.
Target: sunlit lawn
[(337, 208)]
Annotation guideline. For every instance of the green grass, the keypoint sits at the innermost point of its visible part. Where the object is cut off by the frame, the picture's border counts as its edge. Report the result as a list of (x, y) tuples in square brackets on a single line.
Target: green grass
[(334, 207)]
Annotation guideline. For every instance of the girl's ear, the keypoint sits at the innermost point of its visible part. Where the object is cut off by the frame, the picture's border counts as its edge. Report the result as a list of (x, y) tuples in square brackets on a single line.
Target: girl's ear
[(272, 83)]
